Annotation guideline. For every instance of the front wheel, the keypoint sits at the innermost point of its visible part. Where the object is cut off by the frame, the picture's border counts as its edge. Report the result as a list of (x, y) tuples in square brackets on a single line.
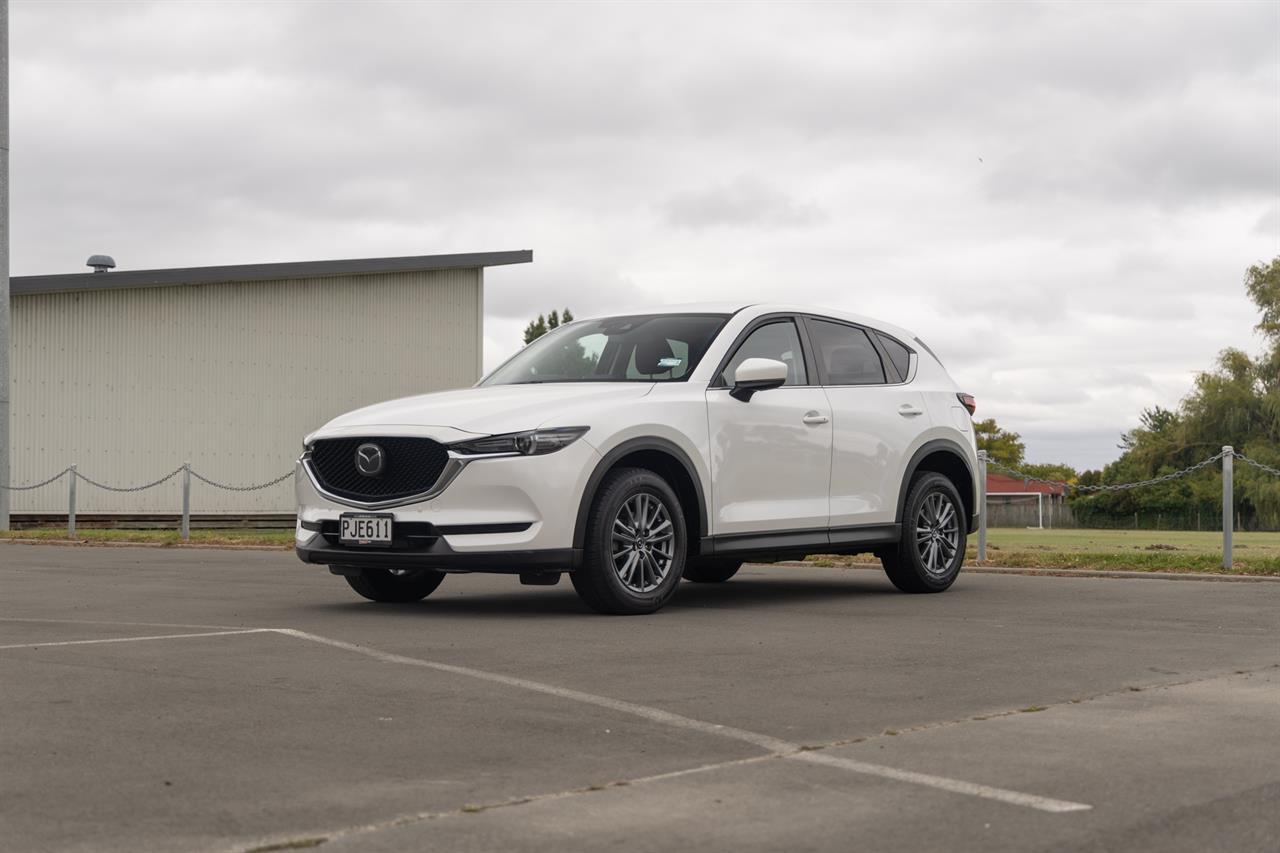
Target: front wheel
[(931, 550), (395, 586), (635, 546)]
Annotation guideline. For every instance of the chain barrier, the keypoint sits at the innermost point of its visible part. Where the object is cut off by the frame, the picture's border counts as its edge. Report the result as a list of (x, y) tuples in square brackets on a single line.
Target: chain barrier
[(166, 478), (1228, 455), (1275, 472), (258, 487), (185, 468), (55, 477), (1117, 487)]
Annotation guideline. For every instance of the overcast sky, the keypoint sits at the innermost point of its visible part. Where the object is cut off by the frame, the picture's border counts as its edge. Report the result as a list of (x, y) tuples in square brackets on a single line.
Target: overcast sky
[(1060, 199)]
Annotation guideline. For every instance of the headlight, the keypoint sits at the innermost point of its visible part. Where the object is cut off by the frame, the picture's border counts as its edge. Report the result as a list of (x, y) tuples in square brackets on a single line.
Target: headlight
[(533, 443)]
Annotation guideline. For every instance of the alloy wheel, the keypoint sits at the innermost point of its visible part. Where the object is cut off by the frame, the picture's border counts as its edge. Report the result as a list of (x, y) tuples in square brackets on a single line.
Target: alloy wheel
[(643, 542), (937, 534)]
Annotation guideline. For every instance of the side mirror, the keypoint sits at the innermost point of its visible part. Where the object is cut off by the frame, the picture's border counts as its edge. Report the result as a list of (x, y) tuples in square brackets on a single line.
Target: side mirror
[(757, 374)]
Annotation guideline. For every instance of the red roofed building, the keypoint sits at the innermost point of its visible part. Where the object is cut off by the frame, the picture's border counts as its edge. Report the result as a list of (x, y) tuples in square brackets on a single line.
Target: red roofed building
[(1002, 483), (1014, 502)]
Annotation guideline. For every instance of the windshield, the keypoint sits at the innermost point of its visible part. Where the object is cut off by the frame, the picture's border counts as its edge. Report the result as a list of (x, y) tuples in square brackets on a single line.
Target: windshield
[(647, 348)]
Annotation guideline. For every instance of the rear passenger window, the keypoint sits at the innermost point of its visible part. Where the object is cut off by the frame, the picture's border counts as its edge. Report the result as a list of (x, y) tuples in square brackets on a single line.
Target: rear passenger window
[(846, 355), (898, 354)]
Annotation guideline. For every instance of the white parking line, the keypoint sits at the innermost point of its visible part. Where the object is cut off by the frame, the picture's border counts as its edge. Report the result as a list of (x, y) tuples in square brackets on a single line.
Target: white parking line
[(774, 745), (958, 786), (656, 715), (138, 639)]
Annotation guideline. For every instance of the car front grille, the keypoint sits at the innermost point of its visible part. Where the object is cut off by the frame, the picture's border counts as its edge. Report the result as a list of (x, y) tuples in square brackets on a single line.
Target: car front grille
[(412, 467)]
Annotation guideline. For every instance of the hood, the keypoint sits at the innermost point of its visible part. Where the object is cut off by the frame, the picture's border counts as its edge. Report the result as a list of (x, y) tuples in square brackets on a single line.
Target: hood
[(487, 410)]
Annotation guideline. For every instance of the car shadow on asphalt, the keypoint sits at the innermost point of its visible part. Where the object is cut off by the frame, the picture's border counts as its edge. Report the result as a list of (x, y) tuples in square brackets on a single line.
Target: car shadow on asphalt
[(738, 594), (776, 589)]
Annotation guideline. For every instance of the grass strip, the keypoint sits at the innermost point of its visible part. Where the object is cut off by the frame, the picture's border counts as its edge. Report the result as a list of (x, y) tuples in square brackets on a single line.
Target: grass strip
[(90, 536), (1131, 562)]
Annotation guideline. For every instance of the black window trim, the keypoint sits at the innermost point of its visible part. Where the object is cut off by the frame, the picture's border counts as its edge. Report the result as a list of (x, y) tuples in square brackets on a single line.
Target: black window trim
[(912, 356), (796, 320), (872, 333)]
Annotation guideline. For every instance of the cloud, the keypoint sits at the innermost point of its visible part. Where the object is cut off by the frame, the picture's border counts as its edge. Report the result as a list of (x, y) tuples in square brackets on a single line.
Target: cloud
[(1203, 145), (1268, 224), (1086, 266), (744, 202)]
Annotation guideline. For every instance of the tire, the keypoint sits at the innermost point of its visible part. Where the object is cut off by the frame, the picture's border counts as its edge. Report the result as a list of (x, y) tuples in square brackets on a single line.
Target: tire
[(710, 569), (629, 566), (930, 561), (384, 586)]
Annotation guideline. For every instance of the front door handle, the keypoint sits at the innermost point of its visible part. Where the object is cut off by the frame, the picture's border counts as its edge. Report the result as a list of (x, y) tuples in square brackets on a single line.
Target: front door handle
[(815, 418), (909, 411)]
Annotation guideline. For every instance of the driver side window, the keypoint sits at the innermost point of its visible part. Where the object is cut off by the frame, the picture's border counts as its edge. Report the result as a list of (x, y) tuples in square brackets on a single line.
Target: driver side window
[(778, 341)]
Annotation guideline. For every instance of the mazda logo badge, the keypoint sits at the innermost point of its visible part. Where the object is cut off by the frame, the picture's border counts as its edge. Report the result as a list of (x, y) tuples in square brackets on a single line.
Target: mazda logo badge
[(370, 460)]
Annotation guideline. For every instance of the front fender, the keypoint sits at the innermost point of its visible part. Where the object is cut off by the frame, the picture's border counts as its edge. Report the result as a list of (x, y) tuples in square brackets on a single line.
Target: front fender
[(621, 449)]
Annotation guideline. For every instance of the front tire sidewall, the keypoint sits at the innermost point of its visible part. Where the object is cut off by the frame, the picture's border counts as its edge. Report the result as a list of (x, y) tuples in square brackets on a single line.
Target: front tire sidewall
[(905, 567), (596, 581), (382, 586)]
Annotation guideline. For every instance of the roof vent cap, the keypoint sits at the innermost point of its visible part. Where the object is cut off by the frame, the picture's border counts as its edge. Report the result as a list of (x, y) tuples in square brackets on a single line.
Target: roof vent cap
[(101, 263)]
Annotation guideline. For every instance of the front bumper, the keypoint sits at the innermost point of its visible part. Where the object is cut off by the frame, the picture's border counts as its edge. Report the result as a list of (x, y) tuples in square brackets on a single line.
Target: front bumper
[(498, 514), (439, 556)]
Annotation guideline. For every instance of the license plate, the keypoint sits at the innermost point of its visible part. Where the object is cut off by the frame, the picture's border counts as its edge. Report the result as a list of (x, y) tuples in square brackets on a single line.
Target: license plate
[(368, 530)]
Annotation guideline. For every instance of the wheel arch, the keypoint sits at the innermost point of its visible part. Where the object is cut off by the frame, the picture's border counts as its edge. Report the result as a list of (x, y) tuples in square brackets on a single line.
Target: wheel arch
[(664, 458), (947, 458)]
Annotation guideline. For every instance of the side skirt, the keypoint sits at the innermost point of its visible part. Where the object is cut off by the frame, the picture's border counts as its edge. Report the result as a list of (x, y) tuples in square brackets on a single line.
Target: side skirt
[(787, 544)]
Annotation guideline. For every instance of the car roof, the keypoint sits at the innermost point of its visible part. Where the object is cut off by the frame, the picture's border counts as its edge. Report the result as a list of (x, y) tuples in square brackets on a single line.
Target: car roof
[(757, 309)]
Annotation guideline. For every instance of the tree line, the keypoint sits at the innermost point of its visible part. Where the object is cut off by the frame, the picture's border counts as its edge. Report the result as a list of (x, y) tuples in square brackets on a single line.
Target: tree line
[(545, 323), (1235, 402)]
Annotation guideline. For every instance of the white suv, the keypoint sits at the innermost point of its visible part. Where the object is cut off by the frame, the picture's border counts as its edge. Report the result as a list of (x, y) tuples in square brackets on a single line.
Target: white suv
[(633, 451)]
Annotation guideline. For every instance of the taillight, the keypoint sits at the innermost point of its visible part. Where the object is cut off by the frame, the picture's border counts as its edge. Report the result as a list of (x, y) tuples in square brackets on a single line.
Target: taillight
[(968, 402)]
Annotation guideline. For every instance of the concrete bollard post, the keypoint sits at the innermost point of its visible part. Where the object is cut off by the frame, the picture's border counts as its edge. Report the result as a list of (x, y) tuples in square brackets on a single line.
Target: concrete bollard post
[(186, 501), (982, 505), (1228, 491), (71, 503)]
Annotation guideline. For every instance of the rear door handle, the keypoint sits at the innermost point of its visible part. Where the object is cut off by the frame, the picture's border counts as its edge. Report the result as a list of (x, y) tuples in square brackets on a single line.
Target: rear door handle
[(815, 418), (909, 411)]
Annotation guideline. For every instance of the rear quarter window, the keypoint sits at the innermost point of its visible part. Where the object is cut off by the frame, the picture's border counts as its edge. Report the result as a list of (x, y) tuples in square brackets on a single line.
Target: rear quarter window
[(898, 354)]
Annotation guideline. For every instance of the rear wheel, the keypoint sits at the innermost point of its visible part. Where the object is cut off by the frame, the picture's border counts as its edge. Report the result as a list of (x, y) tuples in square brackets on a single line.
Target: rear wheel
[(395, 585), (710, 569), (931, 550), (635, 545)]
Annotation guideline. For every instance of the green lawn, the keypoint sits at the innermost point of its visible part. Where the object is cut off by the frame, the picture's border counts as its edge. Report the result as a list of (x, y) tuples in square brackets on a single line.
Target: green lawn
[(1122, 541), (1126, 550), (1136, 550)]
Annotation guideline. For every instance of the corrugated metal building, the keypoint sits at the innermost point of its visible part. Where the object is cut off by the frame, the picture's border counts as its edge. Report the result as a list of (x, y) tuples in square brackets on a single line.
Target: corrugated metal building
[(129, 374)]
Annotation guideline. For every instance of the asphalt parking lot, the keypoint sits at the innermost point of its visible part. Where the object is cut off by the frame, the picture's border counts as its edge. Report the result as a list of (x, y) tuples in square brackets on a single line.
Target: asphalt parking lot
[(157, 699)]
